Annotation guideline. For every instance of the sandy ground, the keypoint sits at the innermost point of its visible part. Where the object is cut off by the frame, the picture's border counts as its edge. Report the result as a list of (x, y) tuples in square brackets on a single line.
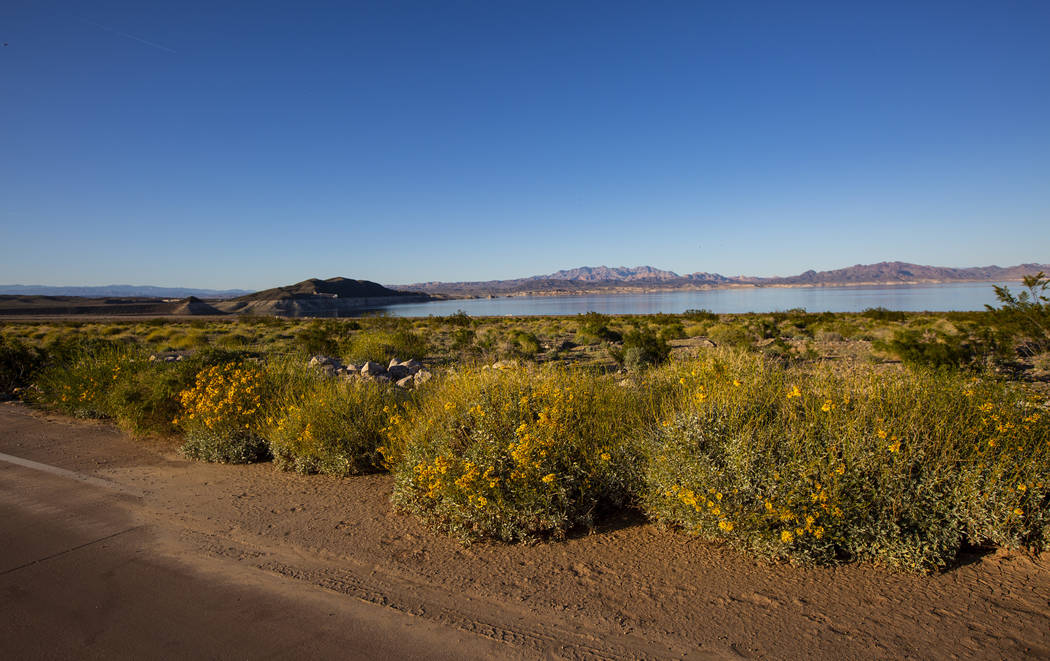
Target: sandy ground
[(628, 590)]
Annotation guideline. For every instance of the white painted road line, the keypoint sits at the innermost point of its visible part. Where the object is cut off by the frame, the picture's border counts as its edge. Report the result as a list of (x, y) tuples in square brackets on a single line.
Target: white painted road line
[(70, 475)]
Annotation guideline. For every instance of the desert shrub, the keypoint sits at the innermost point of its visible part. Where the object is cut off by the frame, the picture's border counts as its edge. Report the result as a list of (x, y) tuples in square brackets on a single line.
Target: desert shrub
[(459, 319), (763, 327), (672, 331), (522, 344), (882, 314), (700, 316), (233, 341), (321, 336), (902, 468), (462, 339), (730, 334), (382, 345), (642, 348), (696, 330), (331, 426), (514, 454), (932, 348), (192, 339), (222, 414), (146, 395), (19, 363), (1027, 314), (159, 335), (593, 328), (79, 377)]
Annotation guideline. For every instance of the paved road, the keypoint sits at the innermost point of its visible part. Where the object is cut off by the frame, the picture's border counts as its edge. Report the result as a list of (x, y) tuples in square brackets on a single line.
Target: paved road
[(84, 574)]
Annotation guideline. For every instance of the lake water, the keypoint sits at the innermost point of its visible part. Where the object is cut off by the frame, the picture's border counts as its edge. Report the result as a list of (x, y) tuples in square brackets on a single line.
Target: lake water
[(938, 298)]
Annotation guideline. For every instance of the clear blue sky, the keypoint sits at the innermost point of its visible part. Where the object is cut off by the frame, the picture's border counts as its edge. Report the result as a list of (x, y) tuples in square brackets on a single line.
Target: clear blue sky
[(229, 144)]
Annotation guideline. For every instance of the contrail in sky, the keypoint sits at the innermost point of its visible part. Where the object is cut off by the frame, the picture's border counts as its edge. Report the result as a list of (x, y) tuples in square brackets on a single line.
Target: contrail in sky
[(124, 34)]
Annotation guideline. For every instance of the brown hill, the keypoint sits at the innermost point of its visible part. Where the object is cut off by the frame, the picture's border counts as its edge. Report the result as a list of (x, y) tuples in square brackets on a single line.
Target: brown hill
[(330, 288), (194, 305)]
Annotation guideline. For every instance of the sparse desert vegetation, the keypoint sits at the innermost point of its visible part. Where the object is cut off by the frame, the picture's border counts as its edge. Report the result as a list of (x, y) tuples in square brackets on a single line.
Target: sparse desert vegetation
[(900, 438)]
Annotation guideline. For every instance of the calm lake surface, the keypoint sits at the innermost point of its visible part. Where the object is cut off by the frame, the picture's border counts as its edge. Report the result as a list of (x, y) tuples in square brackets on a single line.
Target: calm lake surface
[(936, 298)]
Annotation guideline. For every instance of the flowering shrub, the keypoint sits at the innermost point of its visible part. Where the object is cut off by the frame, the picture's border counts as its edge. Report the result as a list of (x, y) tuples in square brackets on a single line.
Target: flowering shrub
[(513, 454), (331, 426), (901, 468), (81, 386), (222, 414)]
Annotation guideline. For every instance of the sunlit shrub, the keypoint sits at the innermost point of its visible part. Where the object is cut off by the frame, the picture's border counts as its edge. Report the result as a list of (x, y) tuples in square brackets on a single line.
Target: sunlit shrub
[(330, 426), (899, 467), (514, 454), (222, 414), (382, 345), (593, 328), (641, 348), (80, 377)]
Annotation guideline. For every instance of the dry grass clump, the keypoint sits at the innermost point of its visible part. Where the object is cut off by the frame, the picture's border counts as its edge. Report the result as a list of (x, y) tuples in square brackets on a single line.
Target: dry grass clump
[(514, 454), (903, 467)]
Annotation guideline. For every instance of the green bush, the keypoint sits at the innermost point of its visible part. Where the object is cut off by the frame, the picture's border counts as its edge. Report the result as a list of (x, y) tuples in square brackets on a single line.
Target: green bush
[(321, 336), (593, 328), (700, 315), (145, 398), (330, 426), (382, 345), (731, 334), (522, 344), (514, 454), (642, 348), (672, 331), (1026, 315), (882, 314), (932, 348), (460, 319), (463, 339), (79, 378), (19, 363), (902, 468)]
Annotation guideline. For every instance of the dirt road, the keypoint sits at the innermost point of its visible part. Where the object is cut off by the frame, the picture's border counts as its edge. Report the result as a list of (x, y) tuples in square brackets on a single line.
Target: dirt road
[(137, 553)]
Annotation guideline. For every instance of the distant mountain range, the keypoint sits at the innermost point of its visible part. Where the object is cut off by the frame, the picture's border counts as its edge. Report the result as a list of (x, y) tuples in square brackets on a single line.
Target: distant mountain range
[(143, 291), (596, 279), (344, 296)]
